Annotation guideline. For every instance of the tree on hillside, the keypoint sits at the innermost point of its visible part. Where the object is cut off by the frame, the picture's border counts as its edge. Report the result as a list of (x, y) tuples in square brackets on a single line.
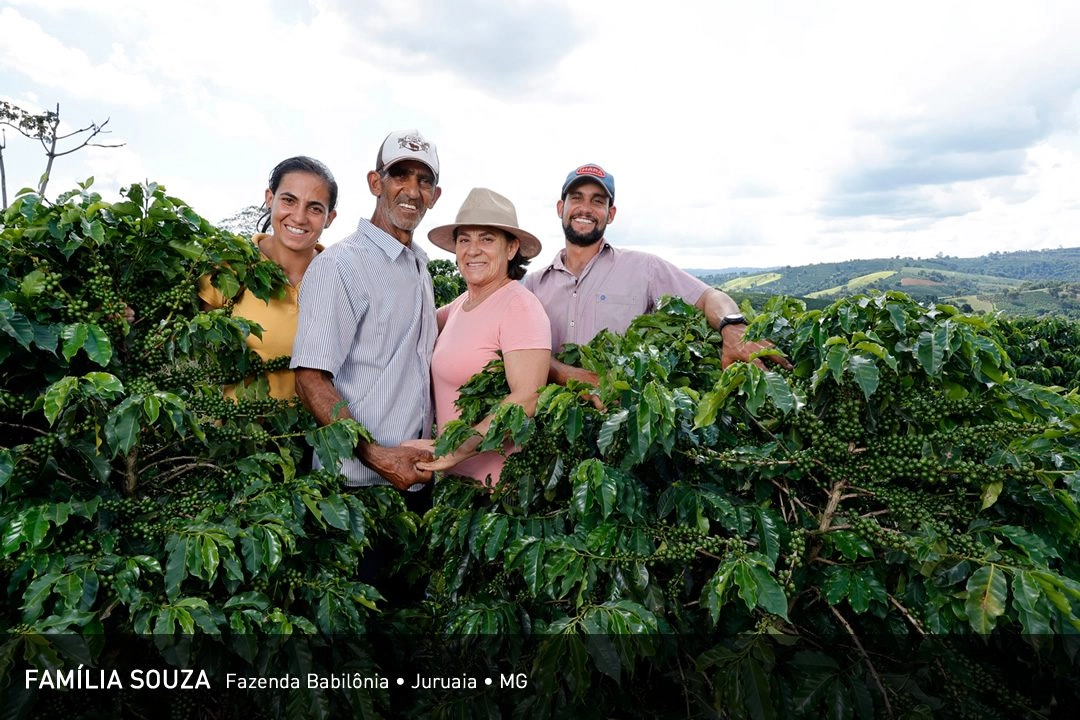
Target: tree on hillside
[(244, 221), (44, 127)]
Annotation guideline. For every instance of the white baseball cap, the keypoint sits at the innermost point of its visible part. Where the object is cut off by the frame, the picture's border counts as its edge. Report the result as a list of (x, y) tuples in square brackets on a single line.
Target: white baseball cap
[(407, 145)]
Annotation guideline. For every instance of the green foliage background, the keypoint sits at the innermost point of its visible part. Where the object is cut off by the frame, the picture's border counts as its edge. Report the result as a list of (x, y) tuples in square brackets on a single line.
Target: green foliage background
[(890, 530)]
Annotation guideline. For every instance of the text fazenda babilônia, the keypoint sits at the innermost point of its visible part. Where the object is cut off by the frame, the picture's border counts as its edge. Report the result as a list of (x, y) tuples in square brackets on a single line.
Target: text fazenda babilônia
[(314, 681)]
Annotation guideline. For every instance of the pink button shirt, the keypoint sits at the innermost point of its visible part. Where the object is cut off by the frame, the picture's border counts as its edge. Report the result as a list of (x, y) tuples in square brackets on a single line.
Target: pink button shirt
[(614, 288)]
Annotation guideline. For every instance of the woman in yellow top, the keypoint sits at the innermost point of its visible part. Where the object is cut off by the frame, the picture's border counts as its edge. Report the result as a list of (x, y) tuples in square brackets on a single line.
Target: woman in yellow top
[(300, 204)]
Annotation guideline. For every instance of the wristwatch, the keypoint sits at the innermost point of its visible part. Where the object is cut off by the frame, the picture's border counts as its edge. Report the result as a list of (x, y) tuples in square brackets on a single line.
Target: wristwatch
[(732, 319)]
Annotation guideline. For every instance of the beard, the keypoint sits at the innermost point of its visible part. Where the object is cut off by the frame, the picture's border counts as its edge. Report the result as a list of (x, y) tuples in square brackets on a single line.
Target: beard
[(582, 239)]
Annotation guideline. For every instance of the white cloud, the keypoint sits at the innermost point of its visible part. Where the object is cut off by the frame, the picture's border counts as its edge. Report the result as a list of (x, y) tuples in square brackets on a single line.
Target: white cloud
[(740, 134), (28, 49)]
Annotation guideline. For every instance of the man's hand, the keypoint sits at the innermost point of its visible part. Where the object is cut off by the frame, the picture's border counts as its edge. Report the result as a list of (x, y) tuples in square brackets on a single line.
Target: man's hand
[(561, 372), (593, 396), (736, 349), (398, 465)]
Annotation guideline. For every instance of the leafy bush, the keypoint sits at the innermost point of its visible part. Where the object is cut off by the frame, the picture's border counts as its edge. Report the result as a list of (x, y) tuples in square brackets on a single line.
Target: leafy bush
[(1046, 350), (134, 498), (854, 538), (888, 530), (448, 283)]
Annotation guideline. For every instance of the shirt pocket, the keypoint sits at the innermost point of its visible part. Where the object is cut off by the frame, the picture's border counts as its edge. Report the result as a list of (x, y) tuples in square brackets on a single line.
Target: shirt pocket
[(615, 311)]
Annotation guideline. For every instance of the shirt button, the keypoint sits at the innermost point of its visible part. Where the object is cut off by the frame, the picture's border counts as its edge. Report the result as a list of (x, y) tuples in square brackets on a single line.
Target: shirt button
[(571, 323)]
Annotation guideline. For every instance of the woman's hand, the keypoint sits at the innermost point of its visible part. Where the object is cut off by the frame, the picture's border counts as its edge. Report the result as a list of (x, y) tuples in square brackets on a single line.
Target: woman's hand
[(441, 462), (526, 372), (422, 444)]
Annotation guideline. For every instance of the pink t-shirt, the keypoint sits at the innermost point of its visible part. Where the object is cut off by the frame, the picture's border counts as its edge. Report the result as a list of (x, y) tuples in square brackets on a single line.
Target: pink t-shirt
[(511, 318)]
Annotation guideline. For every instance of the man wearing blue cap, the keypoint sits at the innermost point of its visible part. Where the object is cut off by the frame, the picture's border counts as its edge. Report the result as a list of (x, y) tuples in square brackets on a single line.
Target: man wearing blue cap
[(592, 285)]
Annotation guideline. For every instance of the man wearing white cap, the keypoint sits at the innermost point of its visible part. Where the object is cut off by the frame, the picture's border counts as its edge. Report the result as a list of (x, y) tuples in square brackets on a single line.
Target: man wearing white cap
[(592, 286), (367, 324)]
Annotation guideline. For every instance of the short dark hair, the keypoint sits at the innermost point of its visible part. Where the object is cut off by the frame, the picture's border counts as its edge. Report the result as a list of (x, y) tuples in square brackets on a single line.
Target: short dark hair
[(300, 163)]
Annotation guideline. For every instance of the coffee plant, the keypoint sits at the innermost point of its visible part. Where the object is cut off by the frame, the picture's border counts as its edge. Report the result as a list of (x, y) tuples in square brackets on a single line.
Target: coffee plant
[(888, 530), (1045, 350), (448, 284), (135, 500)]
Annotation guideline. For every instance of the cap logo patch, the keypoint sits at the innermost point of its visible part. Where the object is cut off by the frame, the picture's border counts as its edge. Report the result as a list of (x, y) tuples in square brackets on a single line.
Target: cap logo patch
[(591, 170), (413, 143)]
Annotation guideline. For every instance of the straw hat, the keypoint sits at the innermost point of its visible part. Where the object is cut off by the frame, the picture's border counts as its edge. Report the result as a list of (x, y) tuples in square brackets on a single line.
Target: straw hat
[(490, 209)]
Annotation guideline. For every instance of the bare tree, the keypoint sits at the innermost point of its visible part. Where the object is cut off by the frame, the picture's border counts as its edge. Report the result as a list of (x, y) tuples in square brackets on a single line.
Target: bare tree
[(3, 172), (43, 128)]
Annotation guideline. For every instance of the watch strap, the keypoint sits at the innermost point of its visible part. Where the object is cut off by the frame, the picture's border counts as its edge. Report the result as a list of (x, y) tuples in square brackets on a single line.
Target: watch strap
[(733, 319)]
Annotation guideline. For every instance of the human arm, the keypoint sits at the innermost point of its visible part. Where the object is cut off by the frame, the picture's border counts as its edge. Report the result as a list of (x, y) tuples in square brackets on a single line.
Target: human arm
[(398, 465), (560, 372), (210, 298), (664, 278), (526, 372), (441, 314), (715, 304)]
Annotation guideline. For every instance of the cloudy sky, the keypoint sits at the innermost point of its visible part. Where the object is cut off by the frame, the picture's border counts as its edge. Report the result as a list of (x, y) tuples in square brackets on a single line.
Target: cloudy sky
[(741, 134)]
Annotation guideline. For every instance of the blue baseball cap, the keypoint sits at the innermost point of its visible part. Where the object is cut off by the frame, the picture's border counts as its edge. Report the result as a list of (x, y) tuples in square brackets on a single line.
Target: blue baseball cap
[(591, 172)]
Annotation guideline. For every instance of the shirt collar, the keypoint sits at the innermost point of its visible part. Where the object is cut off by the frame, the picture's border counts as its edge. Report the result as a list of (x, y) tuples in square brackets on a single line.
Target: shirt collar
[(387, 242), (559, 263)]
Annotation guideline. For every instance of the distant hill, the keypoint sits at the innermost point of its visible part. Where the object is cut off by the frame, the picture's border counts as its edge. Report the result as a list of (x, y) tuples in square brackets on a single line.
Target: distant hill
[(1030, 282)]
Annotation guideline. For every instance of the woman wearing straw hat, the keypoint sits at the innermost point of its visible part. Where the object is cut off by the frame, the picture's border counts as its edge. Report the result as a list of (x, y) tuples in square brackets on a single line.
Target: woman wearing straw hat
[(494, 314)]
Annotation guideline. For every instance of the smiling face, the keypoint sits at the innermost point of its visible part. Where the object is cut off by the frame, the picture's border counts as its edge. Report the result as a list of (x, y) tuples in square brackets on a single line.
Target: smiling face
[(483, 255), (405, 192), (299, 210), (585, 212)]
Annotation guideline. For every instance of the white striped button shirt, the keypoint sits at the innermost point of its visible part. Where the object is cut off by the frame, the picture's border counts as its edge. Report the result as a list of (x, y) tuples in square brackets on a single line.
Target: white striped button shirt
[(367, 316)]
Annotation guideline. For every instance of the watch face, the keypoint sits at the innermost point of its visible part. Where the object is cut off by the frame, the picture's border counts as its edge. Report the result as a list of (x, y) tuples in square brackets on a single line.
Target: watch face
[(733, 319)]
